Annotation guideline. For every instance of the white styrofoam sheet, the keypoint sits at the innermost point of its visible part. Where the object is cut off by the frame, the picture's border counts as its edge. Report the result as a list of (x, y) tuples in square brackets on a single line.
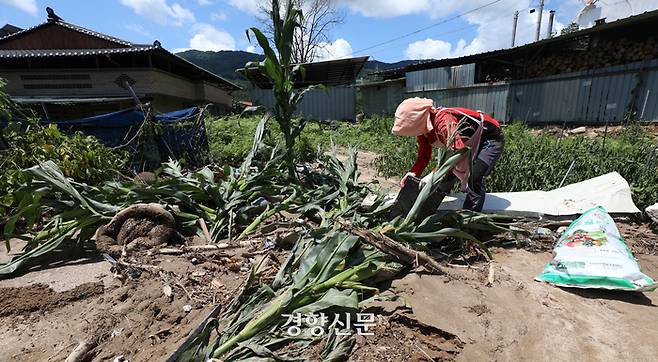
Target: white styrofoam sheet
[(610, 191)]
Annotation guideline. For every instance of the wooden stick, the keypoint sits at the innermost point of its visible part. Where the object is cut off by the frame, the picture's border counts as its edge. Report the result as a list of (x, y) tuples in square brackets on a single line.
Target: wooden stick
[(204, 228), (178, 251), (207, 247), (491, 277), (401, 252), (80, 352)]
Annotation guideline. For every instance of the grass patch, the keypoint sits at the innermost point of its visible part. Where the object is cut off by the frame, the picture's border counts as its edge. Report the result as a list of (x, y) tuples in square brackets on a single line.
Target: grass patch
[(530, 161)]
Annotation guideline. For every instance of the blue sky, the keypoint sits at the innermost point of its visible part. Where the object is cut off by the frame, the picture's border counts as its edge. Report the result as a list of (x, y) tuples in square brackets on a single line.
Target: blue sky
[(221, 24)]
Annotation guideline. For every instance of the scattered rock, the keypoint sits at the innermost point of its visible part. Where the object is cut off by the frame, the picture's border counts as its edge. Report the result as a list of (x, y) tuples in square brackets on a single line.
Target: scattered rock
[(217, 284), (198, 273), (167, 291), (187, 308), (652, 212), (578, 130)]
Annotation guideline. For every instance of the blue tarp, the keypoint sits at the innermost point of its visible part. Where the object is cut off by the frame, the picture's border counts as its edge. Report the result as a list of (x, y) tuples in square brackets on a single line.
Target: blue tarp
[(179, 136)]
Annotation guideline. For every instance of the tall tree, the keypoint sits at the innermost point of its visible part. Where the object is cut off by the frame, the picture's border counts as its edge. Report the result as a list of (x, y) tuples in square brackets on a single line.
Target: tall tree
[(314, 32)]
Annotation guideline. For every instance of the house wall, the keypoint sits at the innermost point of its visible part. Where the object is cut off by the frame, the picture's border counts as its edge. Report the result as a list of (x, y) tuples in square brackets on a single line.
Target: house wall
[(107, 83), (605, 95), (491, 99), (440, 78), (328, 104)]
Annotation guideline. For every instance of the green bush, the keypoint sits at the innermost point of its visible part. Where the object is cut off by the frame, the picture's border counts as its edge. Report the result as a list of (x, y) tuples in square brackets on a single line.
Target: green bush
[(539, 162), (230, 137), (83, 158), (530, 161)]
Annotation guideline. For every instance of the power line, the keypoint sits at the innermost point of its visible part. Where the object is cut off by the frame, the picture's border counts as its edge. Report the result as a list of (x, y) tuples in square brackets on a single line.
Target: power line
[(433, 35), (428, 27)]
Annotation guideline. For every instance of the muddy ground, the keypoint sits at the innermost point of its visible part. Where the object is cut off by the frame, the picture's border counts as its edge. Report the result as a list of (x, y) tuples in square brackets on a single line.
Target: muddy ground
[(144, 319), (431, 317), (45, 314)]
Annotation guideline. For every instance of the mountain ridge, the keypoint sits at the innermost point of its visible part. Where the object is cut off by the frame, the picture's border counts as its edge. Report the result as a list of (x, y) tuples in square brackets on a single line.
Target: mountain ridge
[(225, 62)]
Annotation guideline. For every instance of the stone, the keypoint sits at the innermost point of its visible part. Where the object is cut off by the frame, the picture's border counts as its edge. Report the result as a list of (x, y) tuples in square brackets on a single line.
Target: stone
[(652, 212)]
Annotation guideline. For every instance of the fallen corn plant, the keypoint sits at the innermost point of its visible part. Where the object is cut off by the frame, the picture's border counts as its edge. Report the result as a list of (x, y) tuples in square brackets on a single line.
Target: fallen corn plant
[(334, 267), (73, 211)]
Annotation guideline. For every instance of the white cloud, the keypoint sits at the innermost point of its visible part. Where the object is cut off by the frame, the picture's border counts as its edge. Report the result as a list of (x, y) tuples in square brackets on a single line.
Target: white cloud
[(218, 16), (340, 48), (493, 31), (391, 8), (248, 6), (138, 29), (432, 49), (207, 37), (29, 6), (161, 12), (251, 49), (204, 2)]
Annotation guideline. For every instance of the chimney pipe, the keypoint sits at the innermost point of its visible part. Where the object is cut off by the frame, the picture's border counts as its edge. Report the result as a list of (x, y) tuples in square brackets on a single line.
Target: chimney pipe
[(541, 10), (516, 20), (551, 17)]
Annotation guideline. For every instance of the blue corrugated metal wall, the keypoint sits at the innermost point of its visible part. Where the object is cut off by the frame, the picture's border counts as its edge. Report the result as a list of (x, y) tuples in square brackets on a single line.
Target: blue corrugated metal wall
[(589, 97), (328, 104), (491, 99), (382, 98), (593, 96)]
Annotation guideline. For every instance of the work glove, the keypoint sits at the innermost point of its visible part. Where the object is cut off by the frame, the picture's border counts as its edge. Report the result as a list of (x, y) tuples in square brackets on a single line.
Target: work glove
[(404, 179)]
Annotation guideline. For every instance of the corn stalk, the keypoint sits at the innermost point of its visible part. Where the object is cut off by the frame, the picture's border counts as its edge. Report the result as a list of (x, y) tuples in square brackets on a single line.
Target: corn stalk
[(277, 67)]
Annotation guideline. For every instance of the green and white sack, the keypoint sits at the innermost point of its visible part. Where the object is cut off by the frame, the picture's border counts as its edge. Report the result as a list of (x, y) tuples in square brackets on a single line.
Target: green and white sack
[(592, 254)]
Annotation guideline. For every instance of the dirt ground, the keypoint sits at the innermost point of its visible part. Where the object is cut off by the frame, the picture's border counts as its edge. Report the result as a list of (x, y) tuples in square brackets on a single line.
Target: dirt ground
[(434, 318), (365, 162), (517, 318), (143, 319), (45, 314)]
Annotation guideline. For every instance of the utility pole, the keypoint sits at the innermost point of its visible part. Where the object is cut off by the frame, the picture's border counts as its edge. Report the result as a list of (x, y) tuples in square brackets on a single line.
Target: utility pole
[(516, 20), (551, 17), (541, 10)]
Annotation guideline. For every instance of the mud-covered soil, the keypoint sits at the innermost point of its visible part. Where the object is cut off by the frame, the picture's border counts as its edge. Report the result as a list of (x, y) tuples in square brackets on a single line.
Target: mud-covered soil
[(641, 237), (403, 338), (143, 319), (517, 318), (42, 298)]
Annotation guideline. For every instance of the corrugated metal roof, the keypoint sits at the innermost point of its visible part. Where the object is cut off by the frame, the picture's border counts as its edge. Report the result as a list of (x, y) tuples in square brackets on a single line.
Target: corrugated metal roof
[(35, 53), (330, 72), (128, 48), (45, 53), (632, 20)]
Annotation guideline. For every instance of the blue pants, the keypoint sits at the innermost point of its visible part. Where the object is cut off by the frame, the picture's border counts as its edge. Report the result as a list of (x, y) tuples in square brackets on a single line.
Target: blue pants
[(485, 161)]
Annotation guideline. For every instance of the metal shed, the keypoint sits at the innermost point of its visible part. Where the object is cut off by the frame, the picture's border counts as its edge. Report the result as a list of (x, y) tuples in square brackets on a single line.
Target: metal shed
[(604, 74), (336, 101)]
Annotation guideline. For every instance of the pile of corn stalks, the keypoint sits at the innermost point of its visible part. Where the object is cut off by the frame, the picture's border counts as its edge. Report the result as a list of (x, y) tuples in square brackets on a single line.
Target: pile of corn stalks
[(346, 248)]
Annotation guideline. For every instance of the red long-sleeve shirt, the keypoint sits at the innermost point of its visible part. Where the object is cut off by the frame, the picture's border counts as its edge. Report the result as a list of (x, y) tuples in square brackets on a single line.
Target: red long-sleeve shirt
[(444, 123)]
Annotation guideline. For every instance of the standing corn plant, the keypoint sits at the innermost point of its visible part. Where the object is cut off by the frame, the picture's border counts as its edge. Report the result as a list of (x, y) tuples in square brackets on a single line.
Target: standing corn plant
[(277, 68)]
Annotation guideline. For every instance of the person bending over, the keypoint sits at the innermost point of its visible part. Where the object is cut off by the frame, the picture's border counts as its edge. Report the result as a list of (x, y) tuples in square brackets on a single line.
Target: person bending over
[(461, 127)]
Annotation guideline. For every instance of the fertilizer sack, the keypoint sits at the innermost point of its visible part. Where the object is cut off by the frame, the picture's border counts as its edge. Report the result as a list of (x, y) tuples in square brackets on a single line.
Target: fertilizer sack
[(592, 254)]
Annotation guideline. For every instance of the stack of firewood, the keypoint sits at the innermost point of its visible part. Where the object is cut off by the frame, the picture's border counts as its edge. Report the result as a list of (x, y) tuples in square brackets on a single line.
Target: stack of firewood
[(604, 54)]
